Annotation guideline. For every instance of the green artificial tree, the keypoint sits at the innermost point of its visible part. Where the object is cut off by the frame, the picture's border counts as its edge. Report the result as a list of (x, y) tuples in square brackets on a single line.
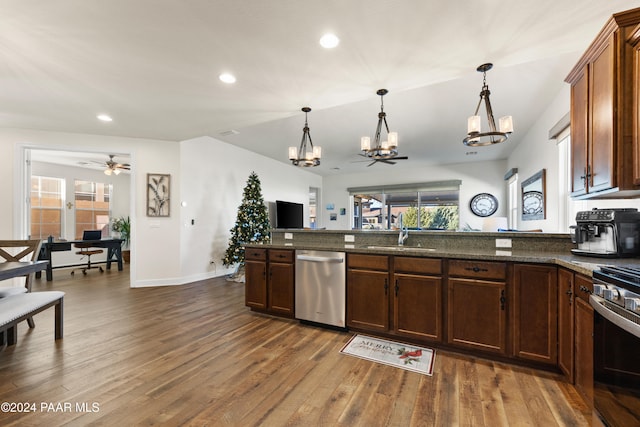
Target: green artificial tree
[(252, 223)]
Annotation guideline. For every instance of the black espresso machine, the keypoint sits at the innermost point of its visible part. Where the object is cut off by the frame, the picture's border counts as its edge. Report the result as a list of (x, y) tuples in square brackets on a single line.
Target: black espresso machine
[(609, 233)]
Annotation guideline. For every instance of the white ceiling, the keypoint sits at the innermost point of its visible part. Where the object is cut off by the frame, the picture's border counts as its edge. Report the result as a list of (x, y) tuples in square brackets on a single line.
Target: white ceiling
[(153, 65)]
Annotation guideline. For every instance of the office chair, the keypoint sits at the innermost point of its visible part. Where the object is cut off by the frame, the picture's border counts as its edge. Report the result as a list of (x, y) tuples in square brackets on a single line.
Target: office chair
[(85, 246)]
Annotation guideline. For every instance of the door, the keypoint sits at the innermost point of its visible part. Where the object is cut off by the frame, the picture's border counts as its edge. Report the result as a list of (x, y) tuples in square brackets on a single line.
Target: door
[(566, 322), (579, 123), (281, 277), (417, 309), (535, 310), (255, 284), (477, 314), (368, 300)]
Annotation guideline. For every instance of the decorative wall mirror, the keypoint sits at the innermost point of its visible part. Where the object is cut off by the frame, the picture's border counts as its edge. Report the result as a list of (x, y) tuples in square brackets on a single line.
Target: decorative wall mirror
[(533, 197)]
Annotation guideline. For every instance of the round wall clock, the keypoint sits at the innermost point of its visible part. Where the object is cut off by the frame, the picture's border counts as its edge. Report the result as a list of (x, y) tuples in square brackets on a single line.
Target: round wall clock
[(483, 204), (532, 203)]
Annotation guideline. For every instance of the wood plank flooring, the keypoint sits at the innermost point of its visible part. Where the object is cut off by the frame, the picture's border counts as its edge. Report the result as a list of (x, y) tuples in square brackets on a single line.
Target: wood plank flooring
[(194, 355)]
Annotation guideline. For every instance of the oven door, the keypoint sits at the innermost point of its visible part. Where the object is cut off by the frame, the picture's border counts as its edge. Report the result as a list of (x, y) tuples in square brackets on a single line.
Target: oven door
[(616, 363)]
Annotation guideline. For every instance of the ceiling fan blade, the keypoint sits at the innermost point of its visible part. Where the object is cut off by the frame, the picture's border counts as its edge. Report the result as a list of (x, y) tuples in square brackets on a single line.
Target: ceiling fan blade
[(401, 158)]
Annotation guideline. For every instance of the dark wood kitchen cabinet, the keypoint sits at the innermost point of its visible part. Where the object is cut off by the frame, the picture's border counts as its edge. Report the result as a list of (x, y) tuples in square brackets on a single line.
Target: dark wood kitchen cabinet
[(368, 292), (583, 359), (255, 284), (566, 323), (602, 88), (400, 296), (476, 305), (417, 298), (281, 280), (535, 311), (269, 281)]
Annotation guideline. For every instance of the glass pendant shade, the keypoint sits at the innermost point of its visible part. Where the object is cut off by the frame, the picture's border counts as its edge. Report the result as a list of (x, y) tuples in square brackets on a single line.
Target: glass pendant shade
[(293, 153), (506, 124), (365, 143)]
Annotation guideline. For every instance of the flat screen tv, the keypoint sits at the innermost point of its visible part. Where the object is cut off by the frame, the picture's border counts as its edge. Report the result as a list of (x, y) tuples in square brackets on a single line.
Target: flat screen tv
[(288, 214)]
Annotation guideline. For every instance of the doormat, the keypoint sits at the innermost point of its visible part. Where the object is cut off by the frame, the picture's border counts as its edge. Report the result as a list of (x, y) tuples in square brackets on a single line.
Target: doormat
[(405, 356)]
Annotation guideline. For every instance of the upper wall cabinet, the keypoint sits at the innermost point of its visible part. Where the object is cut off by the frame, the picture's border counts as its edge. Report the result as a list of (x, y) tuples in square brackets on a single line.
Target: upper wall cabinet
[(604, 135)]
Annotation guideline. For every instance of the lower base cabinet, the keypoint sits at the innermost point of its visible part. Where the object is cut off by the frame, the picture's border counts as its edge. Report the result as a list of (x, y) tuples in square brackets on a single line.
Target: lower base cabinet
[(535, 313), (477, 317), (406, 302), (269, 281), (583, 350)]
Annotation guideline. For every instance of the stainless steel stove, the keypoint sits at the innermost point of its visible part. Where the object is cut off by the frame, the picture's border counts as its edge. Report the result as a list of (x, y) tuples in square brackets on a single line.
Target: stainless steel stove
[(616, 344)]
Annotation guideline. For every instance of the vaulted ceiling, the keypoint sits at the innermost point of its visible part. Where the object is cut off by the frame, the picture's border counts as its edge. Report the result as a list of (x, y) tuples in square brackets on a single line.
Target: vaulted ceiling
[(153, 66)]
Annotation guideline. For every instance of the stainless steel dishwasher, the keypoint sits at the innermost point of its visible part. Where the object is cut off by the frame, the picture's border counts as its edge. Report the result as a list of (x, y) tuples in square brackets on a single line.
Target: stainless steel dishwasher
[(320, 287)]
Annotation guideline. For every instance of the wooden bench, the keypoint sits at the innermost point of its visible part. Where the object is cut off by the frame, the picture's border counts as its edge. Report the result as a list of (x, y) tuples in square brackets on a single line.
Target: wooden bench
[(16, 308)]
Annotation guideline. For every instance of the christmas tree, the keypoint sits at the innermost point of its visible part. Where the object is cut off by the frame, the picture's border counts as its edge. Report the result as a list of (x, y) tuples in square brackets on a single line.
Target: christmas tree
[(252, 222)]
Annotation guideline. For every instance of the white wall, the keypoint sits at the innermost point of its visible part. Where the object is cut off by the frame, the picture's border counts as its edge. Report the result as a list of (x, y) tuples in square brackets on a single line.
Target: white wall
[(214, 175), (478, 177)]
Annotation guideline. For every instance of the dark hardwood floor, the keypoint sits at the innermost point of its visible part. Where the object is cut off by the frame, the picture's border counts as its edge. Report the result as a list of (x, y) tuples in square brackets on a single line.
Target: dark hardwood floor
[(194, 355)]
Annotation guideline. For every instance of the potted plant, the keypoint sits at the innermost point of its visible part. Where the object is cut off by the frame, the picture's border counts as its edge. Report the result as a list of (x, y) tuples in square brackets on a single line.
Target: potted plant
[(122, 225)]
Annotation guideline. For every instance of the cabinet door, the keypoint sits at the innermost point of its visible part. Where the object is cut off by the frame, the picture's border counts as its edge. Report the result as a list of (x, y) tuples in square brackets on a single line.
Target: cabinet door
[(477, 314), (417, 309), (579, 120), (584, 350), (566, 296), (602, 83), (535, 311), (368, 300), (255, 286), (281, 297)]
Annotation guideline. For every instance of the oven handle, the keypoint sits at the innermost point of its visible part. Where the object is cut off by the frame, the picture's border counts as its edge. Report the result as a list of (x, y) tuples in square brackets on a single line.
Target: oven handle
[(598, 305)]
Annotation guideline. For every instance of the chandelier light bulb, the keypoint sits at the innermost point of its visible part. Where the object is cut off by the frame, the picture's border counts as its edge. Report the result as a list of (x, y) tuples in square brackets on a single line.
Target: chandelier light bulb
[(393, 139), (473, 124), (293, 153), (365, 143)]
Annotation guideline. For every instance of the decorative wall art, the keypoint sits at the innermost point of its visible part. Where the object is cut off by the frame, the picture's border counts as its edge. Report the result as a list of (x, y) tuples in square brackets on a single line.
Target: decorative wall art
[(158, 194)]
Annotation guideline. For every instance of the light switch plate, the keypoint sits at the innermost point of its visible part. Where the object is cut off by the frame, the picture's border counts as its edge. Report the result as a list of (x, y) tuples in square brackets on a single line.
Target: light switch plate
[(288, 236), (350, 238), (503, 243)]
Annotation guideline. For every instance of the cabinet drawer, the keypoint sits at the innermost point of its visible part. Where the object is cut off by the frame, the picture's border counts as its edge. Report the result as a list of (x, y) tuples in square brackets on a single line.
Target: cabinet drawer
[(478, 269), (281, 255), (583, 287), (368, 262), (404, 264), (257, 254)]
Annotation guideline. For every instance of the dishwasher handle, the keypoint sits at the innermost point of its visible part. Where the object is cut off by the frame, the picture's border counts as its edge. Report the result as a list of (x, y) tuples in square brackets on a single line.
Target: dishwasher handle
[(320, 259)]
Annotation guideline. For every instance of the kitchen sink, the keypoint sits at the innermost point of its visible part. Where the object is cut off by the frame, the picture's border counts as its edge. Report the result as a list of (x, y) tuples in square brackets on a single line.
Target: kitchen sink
[(402, 248)]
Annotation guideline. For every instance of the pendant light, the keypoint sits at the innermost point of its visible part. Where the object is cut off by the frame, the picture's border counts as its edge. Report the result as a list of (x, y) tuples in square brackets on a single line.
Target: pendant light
[(307, 155), (381, 151), (476, 138)]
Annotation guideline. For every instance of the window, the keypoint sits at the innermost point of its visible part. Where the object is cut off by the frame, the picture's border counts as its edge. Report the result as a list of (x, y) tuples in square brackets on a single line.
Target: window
[(513, 201), (314, 200), (565, 211), (93, 208), (47, 197), (426, 206)]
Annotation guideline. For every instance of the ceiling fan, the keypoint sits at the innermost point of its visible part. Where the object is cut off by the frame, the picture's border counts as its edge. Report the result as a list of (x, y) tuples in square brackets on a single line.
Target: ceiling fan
[(382, 158), (113, 167)]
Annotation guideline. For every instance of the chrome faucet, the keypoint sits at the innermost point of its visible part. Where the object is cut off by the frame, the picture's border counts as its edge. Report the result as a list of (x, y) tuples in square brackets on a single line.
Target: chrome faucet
[(404, 231)]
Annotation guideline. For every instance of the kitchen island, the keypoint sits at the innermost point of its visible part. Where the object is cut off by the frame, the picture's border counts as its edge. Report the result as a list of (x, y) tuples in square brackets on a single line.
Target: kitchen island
[(516, 297)]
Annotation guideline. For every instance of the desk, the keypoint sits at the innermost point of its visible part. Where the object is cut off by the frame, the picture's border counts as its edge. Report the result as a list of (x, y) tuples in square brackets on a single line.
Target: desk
[(113, 246), (11, 269)]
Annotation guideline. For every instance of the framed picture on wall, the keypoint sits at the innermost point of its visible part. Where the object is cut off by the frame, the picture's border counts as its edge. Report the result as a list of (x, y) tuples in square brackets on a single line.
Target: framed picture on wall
[(158, 194)]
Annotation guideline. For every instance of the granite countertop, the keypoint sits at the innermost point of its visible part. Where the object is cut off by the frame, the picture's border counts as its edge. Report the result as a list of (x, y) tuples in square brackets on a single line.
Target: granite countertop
[(580, 264)]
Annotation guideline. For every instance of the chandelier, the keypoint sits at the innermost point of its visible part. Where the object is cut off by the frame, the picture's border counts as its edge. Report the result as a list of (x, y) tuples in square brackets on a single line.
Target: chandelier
[(307, 155), (381, 151), (476, 138)]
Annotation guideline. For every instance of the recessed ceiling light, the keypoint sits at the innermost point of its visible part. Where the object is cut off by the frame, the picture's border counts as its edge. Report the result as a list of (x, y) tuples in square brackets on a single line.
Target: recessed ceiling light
[(329, 41), (227, 78), (104, 118)]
